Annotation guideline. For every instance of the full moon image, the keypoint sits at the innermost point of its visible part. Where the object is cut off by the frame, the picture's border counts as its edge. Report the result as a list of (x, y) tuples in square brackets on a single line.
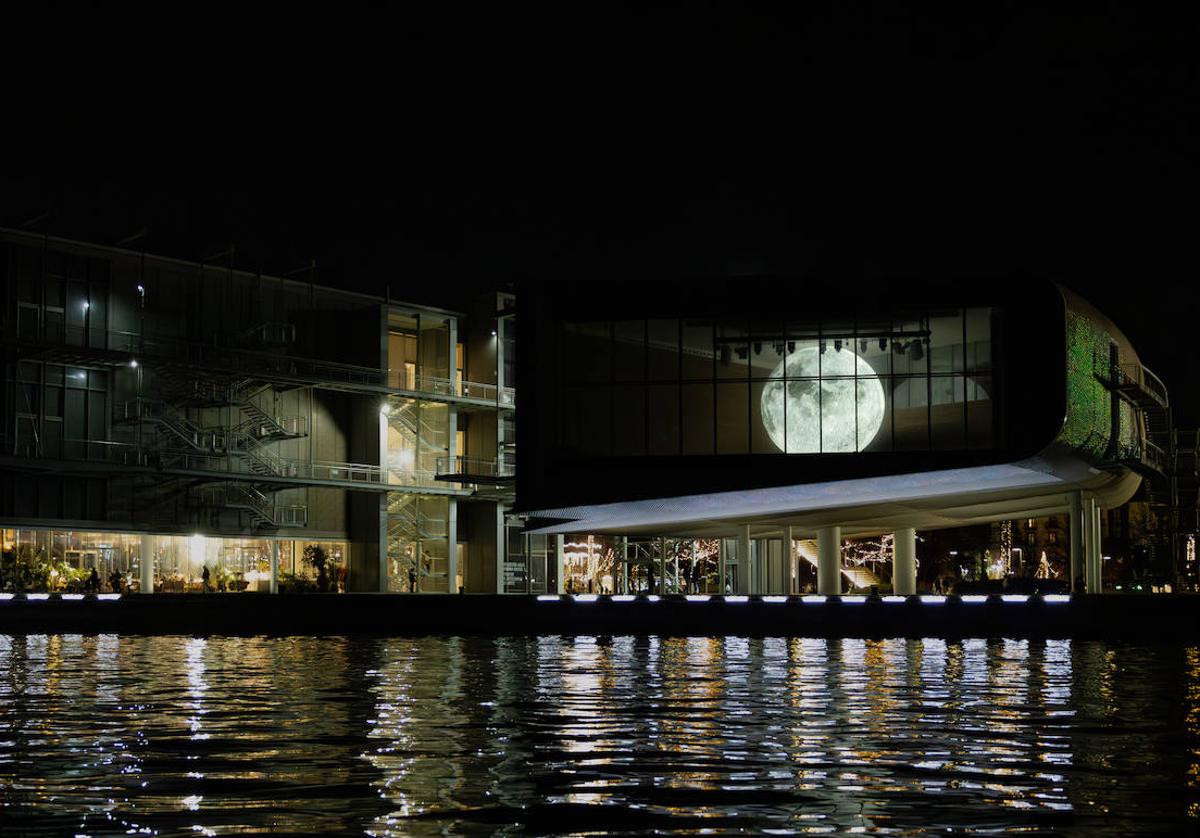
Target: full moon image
[(801, 434)]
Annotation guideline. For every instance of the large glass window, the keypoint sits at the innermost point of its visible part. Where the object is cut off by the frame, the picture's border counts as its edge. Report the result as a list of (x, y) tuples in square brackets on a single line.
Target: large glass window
[(866, 382)]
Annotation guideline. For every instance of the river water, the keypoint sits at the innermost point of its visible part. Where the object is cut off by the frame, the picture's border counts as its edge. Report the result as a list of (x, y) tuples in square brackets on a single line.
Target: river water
[(601, 735)]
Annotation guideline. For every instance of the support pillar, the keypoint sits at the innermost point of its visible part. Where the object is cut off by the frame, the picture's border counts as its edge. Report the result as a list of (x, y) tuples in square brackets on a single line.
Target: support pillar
[(904, 562), (624, 564), (560, 576), (273, 585), (501, 551), (452, 538), (744, 574), (829, 561), (662, 566), (146, 565), (1075, 536), (789, 562), (1093, 573)]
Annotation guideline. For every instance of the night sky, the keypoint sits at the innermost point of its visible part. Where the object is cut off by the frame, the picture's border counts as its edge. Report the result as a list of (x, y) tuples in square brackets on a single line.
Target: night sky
[(1045, 143)]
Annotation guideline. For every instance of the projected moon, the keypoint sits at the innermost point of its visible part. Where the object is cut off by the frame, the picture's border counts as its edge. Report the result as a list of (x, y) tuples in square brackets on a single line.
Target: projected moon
[(803, 404)]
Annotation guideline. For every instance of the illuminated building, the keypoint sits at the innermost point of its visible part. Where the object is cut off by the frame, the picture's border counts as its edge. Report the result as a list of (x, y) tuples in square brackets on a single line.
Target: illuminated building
[(163, 417), (785, 416)]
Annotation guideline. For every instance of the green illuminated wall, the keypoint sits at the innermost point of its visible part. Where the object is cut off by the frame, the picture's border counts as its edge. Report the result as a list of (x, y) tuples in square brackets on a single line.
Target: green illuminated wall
[(1089, 402)]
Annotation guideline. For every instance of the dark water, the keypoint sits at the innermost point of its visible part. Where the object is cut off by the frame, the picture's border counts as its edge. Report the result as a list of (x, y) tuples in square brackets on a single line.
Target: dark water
[(175, 735)]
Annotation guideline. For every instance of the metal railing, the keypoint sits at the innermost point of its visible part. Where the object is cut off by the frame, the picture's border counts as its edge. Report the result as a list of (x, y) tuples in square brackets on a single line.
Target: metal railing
[(1129, 375), (473, 467), (250, 362)]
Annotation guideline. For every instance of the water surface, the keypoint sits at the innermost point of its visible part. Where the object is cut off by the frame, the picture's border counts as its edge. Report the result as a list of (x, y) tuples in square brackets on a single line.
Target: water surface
[(595, 735)]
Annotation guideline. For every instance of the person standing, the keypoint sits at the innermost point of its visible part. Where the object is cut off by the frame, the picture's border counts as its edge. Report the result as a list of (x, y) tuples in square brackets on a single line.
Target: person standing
[(204, 579)]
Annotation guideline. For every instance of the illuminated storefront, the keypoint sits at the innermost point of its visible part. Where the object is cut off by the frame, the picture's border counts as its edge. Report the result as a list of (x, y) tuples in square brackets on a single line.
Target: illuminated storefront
[(64, 560)]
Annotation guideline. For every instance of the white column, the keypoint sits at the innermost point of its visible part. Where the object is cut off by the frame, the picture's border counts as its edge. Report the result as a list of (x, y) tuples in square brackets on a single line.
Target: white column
[(501, 549), (1092, 557), (452, 535), (829, 560), (624, 564), (723, 564), (744, 574), (904, 562), (662, 565), (788, 580), (1076, 534), (146, 565), (560, 577), (273, 586)]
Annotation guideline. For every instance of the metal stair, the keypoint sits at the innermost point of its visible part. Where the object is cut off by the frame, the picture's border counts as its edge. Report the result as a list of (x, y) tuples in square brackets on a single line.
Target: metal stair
[(263, 510)]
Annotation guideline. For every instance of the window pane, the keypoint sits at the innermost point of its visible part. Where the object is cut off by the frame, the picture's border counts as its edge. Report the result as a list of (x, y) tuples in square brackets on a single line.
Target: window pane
[(629, 421), (629, 350), (980, 432), (664, 419), (733, 351), (947, 415), (663, 350), (910, 409), (697, 418), (979, 339), (733, 414), (697, 350), (946, 341), (586, 351), (839, 419), (767, 416)]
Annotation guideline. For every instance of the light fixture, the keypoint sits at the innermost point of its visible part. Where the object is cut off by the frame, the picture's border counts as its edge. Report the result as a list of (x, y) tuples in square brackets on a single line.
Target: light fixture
[(133, 363), (757, 348), (837, 345), (883, 344), (86, 305), (385, 409), (918, 351), (493, 332), (141, 289), (821, 345), (791, 346), (862, 346)]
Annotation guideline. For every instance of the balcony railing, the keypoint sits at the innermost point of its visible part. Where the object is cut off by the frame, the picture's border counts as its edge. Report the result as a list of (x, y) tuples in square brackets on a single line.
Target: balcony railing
[(402, 380), (1130, 377), (470, 467)]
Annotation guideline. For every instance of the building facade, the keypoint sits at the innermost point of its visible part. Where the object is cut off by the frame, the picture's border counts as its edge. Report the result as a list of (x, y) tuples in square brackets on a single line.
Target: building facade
[(189, 425), (768, 430)]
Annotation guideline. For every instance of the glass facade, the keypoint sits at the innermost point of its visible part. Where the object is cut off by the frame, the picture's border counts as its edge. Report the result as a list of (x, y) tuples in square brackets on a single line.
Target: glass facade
[(899, 381), (63, 560), (418, 544)]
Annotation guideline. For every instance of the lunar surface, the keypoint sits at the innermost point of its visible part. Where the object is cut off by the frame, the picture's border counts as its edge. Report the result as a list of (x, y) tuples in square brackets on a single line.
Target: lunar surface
[(799, 400)]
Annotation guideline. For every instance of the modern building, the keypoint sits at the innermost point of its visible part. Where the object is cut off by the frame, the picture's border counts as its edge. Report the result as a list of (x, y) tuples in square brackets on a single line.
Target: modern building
[(741, 436), (187, 423)]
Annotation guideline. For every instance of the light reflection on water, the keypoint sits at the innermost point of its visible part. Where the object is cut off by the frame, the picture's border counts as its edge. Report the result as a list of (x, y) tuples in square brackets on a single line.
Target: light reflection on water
[(102, 734)]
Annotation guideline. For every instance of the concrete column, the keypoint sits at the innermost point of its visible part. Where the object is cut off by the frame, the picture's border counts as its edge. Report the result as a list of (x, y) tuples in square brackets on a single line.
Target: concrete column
[(789, 562), (744, 574), (273, 585), (452, 538), (1076, 539), (146, 565), (904, 563), (560, 578), (829, 560), (722, 564)]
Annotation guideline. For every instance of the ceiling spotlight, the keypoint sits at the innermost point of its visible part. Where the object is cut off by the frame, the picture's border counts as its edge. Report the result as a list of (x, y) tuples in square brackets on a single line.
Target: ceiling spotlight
[(726, 354), (493, 332), (862, 346), (837, 345), (883, 344), (133, 363), (757, 348), (791, 346), (918, 351), (141, 289), (86, 305), (821, 345)]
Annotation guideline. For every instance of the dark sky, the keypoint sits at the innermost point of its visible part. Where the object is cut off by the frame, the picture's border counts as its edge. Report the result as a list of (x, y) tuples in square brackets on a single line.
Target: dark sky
[(406, 153)]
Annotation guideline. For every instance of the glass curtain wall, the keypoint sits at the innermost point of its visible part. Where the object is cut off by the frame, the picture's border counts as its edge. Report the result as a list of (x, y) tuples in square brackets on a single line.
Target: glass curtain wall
[(418, 543), (63, 560), (896, 381)]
